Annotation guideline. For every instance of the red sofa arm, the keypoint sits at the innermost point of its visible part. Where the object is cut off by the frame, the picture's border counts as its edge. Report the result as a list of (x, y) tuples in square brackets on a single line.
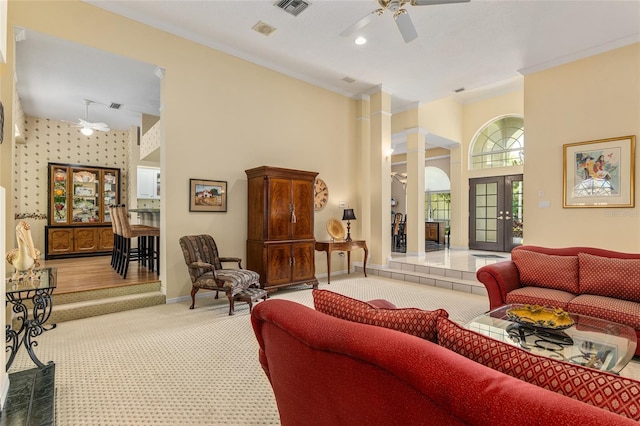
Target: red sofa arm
[(499, 279)]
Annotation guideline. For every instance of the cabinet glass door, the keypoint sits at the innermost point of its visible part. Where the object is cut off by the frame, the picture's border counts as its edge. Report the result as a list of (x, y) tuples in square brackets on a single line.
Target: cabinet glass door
[(110, 193), (59, 179), (86, 196)]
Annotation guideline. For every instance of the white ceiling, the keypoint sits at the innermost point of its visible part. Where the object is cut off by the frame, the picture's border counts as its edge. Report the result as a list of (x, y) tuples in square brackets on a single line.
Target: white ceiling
[(54, 76), (483, 46)]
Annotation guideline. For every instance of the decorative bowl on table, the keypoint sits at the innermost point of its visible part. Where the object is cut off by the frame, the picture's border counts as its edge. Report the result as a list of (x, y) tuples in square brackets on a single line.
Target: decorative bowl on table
[(540, 316), (335, 229)]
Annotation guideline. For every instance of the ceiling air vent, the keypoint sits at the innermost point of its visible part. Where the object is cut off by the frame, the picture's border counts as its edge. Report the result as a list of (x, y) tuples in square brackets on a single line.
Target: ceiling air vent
[(115, 105), (294, 7), (263, 28)]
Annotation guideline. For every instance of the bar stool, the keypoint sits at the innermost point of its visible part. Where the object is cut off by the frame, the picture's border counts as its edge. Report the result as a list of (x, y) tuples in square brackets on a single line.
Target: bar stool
[(148, 250), (115, 226)]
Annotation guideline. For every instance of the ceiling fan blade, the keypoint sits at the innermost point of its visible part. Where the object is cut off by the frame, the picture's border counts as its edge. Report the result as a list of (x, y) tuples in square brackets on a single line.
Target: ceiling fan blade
[(407, 30), (431, 2), (99, 126), (360, 24)]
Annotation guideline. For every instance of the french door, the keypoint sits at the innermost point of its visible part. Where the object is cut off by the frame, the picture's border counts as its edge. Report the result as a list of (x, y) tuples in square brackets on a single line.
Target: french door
[(495, 213)]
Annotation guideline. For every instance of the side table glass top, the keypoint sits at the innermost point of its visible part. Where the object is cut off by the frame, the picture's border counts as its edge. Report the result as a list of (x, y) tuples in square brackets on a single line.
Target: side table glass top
[(591, 342), (42, 279)]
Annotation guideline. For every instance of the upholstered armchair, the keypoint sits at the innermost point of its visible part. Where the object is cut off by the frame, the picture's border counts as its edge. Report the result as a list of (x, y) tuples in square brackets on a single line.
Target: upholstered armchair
[(206, 272)]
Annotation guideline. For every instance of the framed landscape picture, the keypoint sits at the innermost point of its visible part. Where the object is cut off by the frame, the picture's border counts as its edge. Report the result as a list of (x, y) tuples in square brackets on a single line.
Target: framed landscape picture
[(600, 173), (207, 195)]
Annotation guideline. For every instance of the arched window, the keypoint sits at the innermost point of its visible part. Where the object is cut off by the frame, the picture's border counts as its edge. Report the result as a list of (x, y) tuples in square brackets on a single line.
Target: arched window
[(499, 144)]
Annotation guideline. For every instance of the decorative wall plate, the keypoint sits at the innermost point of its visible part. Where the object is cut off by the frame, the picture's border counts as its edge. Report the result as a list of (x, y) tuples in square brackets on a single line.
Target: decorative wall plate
[(335, 229), (540, 316)]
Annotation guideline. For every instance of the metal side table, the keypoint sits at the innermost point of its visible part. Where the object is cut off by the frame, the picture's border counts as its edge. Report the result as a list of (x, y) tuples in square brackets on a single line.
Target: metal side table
[(21, 294)]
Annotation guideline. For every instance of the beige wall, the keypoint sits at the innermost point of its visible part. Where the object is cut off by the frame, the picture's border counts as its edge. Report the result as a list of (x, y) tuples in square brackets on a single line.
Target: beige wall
[(221, 115), (594, 98)]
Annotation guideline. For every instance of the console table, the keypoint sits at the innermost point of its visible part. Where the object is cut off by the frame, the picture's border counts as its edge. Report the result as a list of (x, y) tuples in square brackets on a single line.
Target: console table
[(37, 289), (348, 246)]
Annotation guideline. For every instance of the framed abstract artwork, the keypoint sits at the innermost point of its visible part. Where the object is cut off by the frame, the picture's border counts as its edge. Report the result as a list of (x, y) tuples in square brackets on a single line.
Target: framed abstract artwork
[(207, 195), (600, 173)]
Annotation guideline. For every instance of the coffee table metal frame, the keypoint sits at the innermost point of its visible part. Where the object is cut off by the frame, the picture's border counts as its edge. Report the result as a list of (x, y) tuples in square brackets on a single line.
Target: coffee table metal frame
[(591, 342)]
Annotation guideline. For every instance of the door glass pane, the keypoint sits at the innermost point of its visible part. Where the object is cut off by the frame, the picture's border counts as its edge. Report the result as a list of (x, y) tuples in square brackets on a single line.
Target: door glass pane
[(492, 236), (486, 201), (517, 200)]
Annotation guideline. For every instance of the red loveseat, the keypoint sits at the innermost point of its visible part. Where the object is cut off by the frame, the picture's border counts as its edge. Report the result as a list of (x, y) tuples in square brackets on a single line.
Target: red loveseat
[(331, 371), (584, 280)]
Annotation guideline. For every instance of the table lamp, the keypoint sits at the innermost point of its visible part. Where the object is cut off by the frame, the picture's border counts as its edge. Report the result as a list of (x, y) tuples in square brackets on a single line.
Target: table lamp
[(348, 215)]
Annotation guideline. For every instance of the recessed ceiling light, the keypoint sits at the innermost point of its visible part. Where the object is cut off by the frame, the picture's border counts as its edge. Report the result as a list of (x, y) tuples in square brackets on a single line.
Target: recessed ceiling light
[(361, 41)]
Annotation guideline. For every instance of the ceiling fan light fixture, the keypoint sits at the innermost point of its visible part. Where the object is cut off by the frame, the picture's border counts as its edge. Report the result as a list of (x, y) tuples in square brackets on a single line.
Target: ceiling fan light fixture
[(87, 131)]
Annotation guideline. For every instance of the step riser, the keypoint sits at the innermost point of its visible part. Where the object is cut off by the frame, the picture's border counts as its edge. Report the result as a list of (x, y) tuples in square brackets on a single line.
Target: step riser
[(84, 296), (72, 306), (438, 277), (64, 313)]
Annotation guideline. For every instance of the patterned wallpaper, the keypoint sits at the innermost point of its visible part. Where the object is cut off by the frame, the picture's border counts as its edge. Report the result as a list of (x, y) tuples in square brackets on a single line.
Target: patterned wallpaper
[(150, 140), (48, 140)]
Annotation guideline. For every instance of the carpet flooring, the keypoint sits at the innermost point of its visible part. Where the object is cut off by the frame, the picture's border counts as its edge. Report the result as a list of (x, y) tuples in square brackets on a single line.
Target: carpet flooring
[(168, 365)]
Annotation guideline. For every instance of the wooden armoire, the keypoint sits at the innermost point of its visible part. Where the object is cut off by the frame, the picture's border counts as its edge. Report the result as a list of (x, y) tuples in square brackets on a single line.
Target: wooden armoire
[(280, 237)]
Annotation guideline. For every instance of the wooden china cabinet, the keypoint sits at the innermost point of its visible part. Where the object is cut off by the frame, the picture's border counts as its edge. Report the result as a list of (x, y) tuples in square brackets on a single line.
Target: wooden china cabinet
[(79, 223), (280, 237)]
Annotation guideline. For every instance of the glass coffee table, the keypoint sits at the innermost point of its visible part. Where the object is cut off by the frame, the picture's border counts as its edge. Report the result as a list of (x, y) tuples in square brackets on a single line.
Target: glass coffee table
[(591, 342)]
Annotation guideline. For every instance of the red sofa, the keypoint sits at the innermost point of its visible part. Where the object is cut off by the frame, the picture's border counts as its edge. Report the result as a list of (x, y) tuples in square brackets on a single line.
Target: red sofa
[(331, 371), (584, 280)]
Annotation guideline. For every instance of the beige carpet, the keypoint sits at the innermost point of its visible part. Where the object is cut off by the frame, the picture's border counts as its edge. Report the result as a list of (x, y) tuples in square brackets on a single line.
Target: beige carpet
[(168, 365)]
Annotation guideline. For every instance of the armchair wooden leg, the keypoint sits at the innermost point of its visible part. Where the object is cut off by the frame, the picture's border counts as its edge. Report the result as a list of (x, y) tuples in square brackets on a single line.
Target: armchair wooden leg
[(230, 297), (194, 290)]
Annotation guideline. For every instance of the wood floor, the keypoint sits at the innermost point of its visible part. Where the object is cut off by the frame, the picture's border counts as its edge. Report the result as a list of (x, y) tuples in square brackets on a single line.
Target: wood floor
[(92, 273)]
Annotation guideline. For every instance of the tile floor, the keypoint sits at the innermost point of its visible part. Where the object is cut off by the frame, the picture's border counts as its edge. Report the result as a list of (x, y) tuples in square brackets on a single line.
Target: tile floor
[(31, 398), (457, 259)]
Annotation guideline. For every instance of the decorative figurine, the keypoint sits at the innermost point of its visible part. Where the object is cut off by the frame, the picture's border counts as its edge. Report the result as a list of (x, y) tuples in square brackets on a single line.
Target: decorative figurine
[(26, 256)]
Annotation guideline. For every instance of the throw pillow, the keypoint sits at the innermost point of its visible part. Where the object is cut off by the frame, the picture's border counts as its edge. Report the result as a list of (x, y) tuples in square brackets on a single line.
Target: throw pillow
[(416, 322), (605, 390), (610, 277), (546, 270)]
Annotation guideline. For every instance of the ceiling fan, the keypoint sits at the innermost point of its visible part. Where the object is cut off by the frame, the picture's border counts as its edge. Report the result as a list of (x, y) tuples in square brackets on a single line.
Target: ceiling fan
[(87, 127), (400, 15)]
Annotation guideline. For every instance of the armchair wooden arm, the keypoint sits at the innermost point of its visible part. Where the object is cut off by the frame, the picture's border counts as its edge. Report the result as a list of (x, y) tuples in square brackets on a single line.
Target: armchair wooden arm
[(232, 259)]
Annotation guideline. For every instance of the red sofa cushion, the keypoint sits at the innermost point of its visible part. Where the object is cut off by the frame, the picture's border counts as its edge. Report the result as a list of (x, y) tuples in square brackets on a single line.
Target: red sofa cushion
[(611, 277), (608, 391), (612, 309), (540, 296), (416, 322), (545, 270)]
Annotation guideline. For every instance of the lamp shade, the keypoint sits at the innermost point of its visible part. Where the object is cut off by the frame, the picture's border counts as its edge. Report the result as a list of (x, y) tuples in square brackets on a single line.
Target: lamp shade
[(348, 215)]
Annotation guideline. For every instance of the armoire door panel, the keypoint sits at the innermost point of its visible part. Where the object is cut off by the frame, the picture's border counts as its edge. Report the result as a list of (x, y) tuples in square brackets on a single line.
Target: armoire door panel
[(279, 262), (303, 201), (280, 209), (303, 255)]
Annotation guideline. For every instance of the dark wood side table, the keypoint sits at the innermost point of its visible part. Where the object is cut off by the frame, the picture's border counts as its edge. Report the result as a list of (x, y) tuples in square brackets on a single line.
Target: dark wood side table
[(331, 246), (37, 290)]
